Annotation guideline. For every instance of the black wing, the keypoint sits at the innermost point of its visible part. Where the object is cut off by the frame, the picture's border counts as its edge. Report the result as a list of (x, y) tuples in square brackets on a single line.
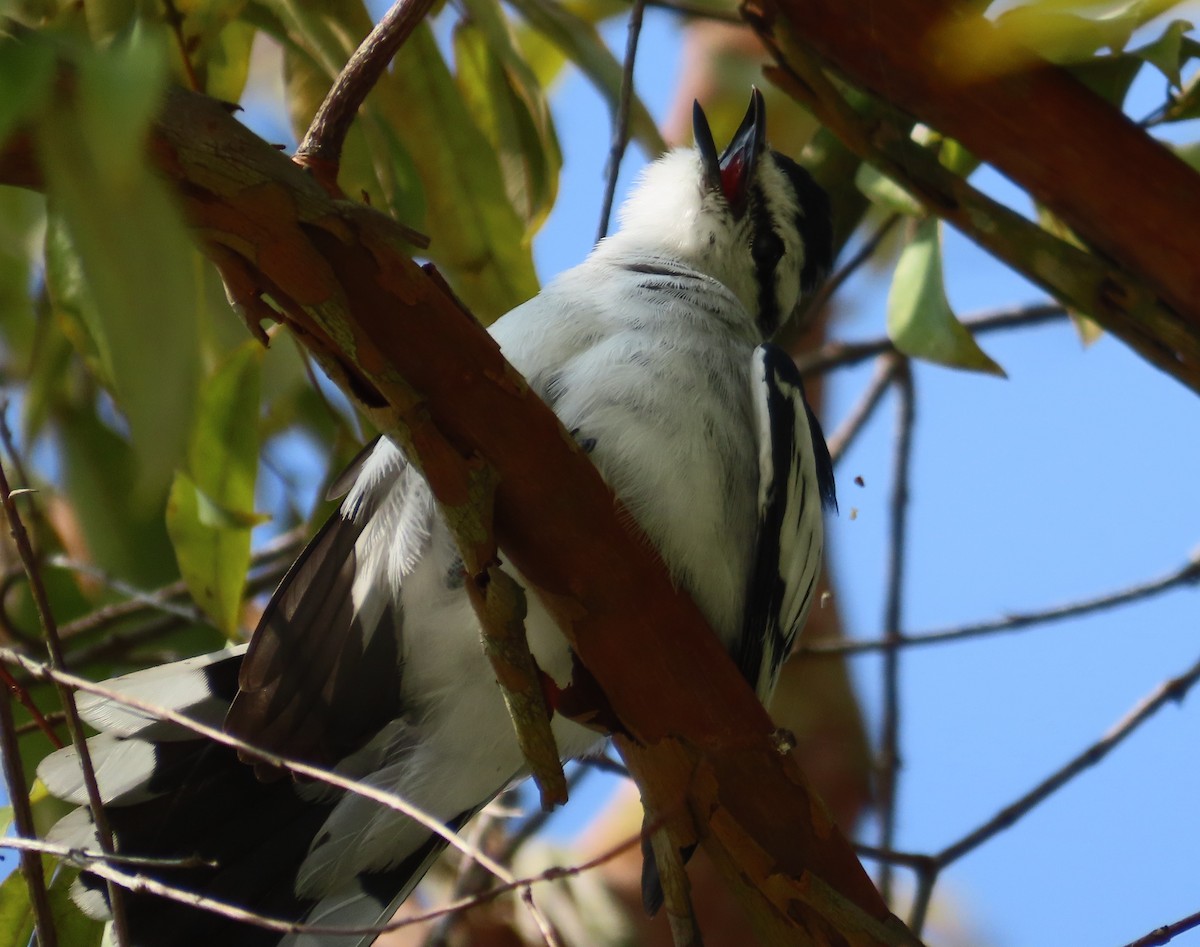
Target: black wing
[(795, 481), (322, 673)]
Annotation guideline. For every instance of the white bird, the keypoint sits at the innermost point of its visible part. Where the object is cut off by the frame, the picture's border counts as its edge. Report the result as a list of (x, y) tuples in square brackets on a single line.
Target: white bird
[(368, 659)]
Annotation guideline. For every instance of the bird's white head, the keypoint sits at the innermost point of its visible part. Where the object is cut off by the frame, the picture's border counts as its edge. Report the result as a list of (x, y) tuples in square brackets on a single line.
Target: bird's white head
[(751, 218)]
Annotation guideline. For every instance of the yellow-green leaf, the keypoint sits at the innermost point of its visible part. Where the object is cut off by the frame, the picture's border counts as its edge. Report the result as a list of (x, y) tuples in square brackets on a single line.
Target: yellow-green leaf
[(1108, 76), (477, 238), (475, 231), (73, 927), (508, 105), (210, 512), (581, 43), (135, 257), (212, 559), (26, 71), (123, 531), (1169, 52), (919, 318), (882, 191)]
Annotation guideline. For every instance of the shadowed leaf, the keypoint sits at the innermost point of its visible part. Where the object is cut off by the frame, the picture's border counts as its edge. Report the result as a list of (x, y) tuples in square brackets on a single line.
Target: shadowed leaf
[(210, 512), (920, 320)]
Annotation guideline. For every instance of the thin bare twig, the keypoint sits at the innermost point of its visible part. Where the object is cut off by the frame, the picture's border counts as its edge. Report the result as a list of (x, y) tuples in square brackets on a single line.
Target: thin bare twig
[(321, 148), (40, 720), (1168, 932), (1172, 690), (620, 135), (52, 719), (1187, 574), (889, 753), (42, 671), (282, 549), (175, 21), (143, 884), (85, 857), (54, 647), (914, 860), (843, 437), (606, 764), (18, 797), (843, 354)]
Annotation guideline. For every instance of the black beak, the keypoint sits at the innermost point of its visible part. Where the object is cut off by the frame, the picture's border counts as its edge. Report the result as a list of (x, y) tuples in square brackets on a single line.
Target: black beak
[(707, 147), (733, 171)]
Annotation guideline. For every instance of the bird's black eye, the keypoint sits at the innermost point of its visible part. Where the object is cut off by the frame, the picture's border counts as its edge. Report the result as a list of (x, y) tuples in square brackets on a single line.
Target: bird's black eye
[(767, 248)]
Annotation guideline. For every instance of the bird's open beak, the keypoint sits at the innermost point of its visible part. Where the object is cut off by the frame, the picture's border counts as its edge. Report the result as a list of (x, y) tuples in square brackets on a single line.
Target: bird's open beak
[(734, 169)]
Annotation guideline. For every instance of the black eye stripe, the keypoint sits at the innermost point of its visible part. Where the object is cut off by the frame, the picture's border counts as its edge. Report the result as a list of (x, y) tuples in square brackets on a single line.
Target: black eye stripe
[(813, 223)]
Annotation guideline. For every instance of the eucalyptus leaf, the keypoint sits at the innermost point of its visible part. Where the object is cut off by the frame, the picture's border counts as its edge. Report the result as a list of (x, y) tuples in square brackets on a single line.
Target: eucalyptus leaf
[(881, 190), (1168, 53), (17, 918), (22, 225), (476, 233), (26, 73), (478, 239), (225, 60), (919, 319), (135, 257), (511, 112), (210, 511), (1109, 76), (122, 529), (581, 43), (217, 44)]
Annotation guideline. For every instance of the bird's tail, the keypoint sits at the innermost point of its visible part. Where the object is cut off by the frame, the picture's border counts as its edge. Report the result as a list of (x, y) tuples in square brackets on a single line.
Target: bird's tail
[(190, 801)]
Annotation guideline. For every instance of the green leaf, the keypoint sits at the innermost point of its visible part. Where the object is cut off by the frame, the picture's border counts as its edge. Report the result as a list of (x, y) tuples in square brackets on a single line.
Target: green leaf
[(72, 304), (476, 233), (217, 43), (135, 258), (1086, 328), (226, 60), (22, 221), (1168, 52), (210, 512), (1109, 76), (1061, 36), (16, 911), (477, 238), (919, 318), (582, 44), (122, 529), (881, 190), (212, 558), (26, 72), (508, 105)]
